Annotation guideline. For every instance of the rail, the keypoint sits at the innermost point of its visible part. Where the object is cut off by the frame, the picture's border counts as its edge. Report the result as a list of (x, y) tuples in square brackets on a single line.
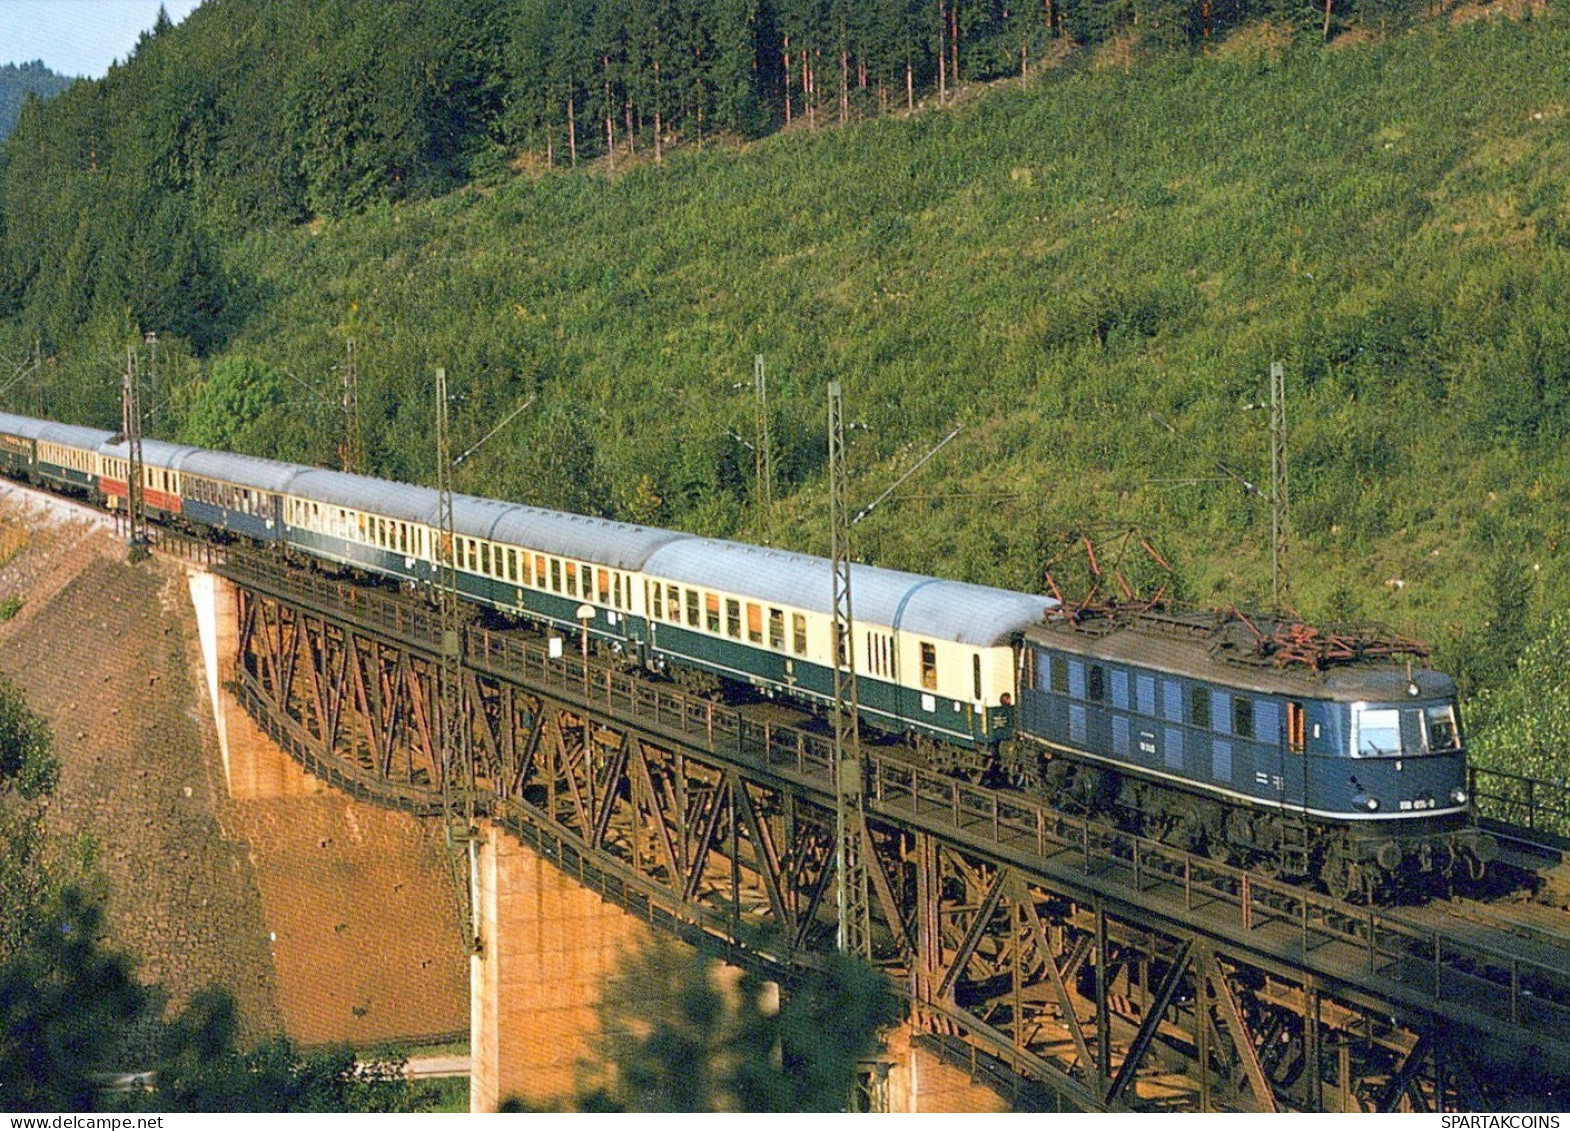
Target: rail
[(1434, 967), (1522, 802)]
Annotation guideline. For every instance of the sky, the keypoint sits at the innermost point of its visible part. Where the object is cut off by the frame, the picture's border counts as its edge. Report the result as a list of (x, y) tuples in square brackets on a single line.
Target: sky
[(79, 37)]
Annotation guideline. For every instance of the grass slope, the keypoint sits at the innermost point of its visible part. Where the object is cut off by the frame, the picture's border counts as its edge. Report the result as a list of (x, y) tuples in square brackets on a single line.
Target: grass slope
[(1059, 270)]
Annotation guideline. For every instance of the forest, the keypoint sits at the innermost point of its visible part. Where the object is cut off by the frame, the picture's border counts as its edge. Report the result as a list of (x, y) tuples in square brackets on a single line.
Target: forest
[(18, 83), (1078, 232)]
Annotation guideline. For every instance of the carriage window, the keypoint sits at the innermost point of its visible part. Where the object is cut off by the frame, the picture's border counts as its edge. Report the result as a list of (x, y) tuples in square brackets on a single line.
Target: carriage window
[(711, 611), (572, 580), (777, 629), (975, 671), (1098, 683), (673, 602), (798, 630), (1242, 717), (555, 575), (512, 565), (618, 592), (692, 608), (929, 666), (754, 623), (588, 582), (1199, 707), (733, 617), (485, 557), (659, 601), (1059, 667), (539, 570)]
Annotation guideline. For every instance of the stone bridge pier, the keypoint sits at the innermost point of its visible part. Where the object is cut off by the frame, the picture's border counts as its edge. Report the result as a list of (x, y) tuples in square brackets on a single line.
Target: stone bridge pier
[(551, 945), (548, 947)]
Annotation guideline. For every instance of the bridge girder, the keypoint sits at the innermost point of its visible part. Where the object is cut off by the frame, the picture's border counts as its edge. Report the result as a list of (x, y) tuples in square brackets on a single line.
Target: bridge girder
[(707, 821)]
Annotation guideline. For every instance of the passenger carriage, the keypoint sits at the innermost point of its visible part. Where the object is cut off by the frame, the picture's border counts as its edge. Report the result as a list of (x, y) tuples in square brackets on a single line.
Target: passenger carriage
[(19, 444), (161, 489), (67, 457), (933, 657)]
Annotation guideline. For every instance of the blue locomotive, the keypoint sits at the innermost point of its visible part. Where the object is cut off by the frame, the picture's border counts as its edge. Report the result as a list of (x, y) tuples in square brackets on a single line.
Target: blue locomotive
[(1346, 764), (1268, 742)]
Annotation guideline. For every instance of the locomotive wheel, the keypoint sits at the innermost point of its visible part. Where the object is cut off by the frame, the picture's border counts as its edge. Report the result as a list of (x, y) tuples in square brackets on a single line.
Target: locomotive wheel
[(1344, 877)]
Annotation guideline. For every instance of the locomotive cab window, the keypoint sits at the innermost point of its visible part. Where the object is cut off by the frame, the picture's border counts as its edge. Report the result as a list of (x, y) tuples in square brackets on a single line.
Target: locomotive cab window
[(1097, 688), (1443, 734), (1378, 731)]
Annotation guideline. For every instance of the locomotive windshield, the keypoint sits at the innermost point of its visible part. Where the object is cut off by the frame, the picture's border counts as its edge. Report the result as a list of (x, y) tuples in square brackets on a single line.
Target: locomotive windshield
[(1389, 732)]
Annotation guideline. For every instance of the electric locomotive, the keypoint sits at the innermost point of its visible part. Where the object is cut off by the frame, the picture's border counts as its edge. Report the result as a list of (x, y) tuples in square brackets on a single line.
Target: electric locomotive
[(1269, 743)]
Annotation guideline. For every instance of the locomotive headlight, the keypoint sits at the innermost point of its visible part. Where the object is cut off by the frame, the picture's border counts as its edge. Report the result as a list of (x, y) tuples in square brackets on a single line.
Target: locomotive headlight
[(1363, 801), (1458, 796)]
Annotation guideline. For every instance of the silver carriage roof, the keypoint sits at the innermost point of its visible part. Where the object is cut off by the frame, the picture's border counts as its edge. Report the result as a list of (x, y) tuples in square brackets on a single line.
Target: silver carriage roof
[(72, 435), (618, 545), (246, 471), (954, 611), (24, 426), (155, 453)]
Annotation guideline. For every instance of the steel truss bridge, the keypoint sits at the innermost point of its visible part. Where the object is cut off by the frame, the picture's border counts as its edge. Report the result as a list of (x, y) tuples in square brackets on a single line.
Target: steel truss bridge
[(1065, 962)]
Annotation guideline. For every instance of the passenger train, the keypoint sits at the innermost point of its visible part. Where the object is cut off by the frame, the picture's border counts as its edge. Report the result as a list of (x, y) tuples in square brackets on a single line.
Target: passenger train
[(1355, 771)]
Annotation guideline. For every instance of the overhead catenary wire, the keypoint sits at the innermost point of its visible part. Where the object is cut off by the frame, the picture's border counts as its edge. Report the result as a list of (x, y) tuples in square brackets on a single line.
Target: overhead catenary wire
[(915, 467)]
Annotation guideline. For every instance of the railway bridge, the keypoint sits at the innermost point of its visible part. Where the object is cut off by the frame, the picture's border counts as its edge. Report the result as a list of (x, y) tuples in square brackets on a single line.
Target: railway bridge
[(1062, 962)]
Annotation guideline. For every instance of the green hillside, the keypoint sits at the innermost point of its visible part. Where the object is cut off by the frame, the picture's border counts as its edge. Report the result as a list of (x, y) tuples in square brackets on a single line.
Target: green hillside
[(1062, 270)]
